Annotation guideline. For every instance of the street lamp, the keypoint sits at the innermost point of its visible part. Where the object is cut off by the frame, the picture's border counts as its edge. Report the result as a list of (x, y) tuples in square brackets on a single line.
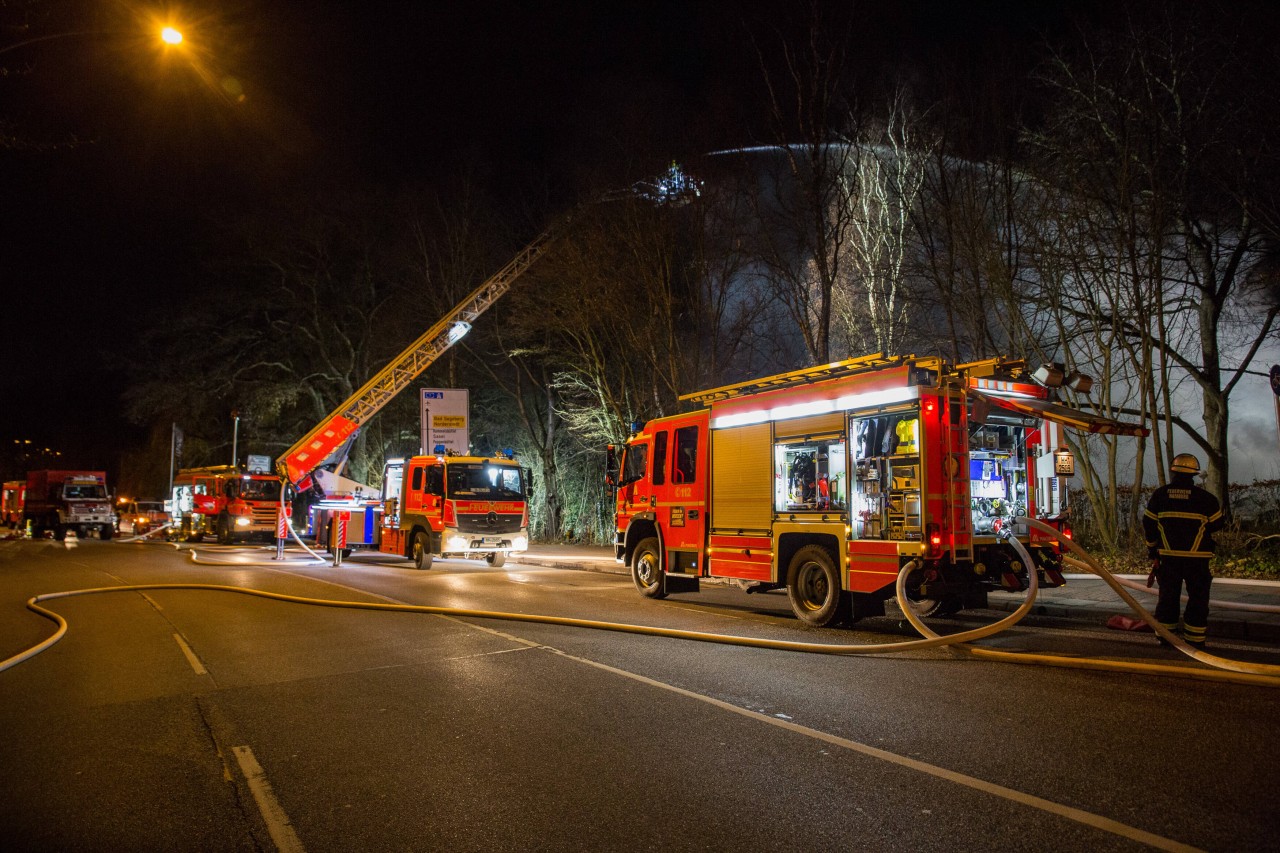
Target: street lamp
[(168, 35)]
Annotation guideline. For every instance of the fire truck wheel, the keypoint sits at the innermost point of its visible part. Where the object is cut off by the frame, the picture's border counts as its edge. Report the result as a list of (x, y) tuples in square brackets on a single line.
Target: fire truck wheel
[(105, 531), (926, 607), (496, 559), (813, 586), (421, 550), (59, 532), (646, 569)]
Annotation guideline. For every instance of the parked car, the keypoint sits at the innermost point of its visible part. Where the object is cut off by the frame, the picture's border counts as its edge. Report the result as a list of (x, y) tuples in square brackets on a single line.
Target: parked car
[(139, 517)]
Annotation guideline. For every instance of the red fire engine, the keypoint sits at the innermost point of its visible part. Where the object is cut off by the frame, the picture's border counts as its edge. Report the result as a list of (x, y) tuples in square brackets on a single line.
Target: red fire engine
[(226, 502), (466, 505), (828, 481)]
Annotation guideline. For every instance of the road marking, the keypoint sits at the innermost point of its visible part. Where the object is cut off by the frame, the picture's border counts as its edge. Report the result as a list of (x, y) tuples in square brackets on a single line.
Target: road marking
[(278, 826), (487, 654), (1088, 818), (191, 656)]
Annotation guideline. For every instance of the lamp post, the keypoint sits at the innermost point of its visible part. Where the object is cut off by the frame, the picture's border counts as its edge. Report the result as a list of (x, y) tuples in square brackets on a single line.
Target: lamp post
[(235, 434)]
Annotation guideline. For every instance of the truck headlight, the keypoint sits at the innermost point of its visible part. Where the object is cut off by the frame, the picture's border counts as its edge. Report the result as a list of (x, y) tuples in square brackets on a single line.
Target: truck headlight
[(243, 521)]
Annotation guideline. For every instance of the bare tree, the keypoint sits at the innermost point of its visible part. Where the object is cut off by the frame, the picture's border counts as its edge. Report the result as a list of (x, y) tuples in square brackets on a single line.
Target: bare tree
[(872, 304), (1158, 127)]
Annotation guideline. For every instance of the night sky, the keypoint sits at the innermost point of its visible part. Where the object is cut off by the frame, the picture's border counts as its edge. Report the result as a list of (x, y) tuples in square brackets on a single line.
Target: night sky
[(103, 237)]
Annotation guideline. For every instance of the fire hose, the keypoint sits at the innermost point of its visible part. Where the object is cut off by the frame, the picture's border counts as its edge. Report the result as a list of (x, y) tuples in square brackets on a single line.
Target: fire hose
[(1224, 670)]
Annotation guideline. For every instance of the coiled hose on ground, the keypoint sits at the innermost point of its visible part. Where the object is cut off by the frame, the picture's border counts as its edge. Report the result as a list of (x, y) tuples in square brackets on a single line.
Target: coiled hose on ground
[(1242, 673)]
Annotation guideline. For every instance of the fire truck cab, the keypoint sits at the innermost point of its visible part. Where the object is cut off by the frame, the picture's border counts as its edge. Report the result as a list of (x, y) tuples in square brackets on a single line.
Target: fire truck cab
[(829, 481), (226, 502)]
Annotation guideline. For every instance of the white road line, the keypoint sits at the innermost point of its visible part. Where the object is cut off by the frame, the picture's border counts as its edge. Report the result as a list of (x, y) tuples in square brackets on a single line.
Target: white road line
[(1088, 818), (278, 826), (191, 656), (488, 654)]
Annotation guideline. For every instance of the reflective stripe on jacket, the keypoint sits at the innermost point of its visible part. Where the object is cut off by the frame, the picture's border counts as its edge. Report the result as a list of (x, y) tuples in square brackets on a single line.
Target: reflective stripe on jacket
[(1181, 519)]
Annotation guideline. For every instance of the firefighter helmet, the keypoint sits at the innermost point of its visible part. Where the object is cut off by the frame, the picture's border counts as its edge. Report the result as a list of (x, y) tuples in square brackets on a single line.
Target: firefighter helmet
[(1185, 463)]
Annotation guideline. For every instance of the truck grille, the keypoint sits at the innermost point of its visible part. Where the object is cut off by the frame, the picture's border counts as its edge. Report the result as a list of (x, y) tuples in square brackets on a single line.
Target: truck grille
[(485, 524)]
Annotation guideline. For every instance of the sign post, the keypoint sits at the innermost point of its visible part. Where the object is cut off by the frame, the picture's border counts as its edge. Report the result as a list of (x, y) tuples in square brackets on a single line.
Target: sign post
[(444, 420)]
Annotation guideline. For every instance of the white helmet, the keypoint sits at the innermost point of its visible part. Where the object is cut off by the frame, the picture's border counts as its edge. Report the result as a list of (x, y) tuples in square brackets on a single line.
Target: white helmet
[(1185, 463)]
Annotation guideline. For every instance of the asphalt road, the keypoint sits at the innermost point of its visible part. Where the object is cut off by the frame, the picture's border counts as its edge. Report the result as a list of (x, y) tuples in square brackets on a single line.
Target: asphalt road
[(203, 720)]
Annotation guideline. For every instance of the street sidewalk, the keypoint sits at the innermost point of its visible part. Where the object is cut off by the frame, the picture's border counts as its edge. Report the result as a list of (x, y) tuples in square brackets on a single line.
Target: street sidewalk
[(1084, 597)]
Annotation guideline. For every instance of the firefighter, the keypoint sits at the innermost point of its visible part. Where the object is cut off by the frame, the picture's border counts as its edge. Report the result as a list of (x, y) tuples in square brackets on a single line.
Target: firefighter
[(1179, 524)]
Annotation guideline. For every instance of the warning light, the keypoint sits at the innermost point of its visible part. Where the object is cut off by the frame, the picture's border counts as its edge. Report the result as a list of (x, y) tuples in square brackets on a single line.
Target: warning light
[(930, 406), (1066, 532)]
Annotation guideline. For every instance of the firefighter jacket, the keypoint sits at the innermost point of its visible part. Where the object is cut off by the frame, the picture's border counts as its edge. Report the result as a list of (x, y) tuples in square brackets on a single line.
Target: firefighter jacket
[(1181, 519)]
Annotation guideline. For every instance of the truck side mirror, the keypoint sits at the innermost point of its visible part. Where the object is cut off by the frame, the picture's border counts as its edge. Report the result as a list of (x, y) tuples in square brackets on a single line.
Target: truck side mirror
[(610, 467)]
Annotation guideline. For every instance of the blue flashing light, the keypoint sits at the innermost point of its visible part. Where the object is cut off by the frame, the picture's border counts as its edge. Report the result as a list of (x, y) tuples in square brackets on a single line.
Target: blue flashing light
[(438, 450)]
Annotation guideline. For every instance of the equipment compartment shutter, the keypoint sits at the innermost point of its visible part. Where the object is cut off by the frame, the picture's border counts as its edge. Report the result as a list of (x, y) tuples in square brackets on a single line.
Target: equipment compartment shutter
[(742, 478), (829, 424)]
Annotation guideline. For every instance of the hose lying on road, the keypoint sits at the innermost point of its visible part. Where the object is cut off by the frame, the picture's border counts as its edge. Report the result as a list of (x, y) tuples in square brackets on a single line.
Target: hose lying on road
[(1089, 564), (144, 536), (1254, 674), (33, 604), (1224, 670)]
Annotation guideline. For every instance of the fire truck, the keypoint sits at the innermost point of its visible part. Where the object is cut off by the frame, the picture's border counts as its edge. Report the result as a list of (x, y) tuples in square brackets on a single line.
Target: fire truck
[(12, 496), (828, 481), (471, 506), (225, 501), (62, 501)]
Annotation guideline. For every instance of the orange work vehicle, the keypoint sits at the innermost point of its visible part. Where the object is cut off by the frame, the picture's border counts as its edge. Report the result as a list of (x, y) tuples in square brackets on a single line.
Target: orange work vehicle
[(12, 497), (829, 481), (225, 501), (466, 506)]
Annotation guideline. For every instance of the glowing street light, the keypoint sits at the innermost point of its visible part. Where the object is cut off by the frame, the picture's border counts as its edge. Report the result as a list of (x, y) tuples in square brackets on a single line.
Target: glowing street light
[(169, 35)]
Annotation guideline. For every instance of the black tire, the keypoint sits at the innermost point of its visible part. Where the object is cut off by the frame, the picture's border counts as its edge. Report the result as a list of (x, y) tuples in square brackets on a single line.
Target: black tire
[(224, 530), (59, 532), (813, 587), (925, 607), (105, 532), (496, 559), (420, 552), (646, 569)]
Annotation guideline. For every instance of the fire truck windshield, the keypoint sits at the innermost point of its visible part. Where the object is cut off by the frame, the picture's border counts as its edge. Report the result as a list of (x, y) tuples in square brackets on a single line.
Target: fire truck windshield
[(480, 481), (259, 490), (98, 492)]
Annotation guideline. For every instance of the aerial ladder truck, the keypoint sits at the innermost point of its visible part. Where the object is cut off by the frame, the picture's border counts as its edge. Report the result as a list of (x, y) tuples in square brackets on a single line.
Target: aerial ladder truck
[(435, 504)]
